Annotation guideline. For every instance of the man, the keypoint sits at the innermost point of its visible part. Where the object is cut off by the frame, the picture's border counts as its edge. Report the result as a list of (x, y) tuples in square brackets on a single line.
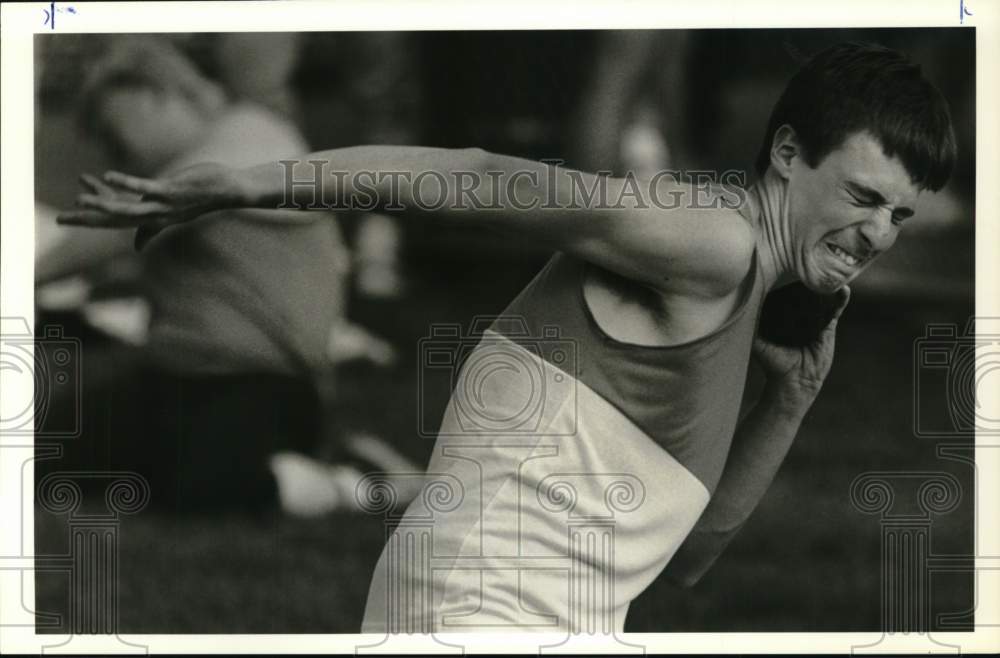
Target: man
[(235, 357), (638, 424)]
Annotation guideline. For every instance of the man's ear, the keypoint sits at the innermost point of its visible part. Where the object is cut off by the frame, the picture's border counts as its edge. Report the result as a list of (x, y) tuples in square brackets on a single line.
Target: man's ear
[(785, 149)]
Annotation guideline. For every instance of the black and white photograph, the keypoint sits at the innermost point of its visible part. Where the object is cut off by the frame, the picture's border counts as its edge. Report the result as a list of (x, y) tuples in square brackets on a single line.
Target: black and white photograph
[(575, 336)]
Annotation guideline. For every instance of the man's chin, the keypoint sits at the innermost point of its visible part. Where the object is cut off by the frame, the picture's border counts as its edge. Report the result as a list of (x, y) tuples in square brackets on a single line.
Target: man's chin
[(823, 277), (826, 284)]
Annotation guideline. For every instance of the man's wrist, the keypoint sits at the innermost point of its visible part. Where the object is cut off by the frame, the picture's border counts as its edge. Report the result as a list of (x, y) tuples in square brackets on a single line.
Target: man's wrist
[(789, 398), (246, 188)]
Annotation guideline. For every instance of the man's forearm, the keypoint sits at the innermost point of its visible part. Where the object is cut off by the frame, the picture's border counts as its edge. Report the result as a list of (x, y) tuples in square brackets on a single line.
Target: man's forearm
[(761, 442), (369, 177), (471, 184)]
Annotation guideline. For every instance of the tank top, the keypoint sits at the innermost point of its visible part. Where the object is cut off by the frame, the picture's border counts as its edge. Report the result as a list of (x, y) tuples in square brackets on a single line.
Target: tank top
[(575, 466), (686, 397)]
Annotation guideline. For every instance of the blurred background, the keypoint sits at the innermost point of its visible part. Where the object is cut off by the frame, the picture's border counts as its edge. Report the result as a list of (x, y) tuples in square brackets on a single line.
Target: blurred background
[(640, 100)]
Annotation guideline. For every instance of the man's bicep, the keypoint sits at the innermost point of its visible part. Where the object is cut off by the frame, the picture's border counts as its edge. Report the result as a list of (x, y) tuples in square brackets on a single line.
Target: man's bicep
[(706, 251), (616, 223)]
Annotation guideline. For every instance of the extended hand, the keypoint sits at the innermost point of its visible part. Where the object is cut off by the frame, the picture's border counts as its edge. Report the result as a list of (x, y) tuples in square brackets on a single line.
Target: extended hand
[(150, 205), (802, 370)]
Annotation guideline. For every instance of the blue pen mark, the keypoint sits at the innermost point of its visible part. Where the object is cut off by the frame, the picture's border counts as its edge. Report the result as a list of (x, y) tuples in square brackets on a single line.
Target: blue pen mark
[(50, 14), (963, 11)]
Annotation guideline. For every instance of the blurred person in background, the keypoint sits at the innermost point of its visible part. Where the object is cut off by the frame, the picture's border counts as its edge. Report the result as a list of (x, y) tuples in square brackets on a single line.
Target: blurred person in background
[(365, 87), (247, 310), (621, 124)]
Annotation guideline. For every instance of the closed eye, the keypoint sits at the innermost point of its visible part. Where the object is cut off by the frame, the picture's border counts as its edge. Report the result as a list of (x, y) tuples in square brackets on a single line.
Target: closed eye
[(864, 197), (859, 201)]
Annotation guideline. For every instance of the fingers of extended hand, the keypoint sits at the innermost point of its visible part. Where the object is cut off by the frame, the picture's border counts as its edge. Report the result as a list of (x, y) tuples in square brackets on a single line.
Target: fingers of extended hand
[(127, 209), (94, 184), (152, 188)]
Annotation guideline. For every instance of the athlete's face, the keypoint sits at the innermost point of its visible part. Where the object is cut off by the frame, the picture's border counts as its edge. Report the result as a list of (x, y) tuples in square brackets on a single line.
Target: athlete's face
[(846, 212)]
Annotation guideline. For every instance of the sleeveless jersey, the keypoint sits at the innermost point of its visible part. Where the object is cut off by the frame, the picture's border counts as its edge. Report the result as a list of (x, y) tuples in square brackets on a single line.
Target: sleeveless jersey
[(568, 470)]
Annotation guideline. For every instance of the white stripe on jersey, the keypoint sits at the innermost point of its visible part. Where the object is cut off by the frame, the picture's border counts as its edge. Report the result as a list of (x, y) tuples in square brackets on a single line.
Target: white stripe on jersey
[(555, 525)]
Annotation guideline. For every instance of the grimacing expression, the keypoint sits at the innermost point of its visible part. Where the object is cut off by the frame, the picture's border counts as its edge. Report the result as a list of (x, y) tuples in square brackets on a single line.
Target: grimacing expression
[(847, 211)]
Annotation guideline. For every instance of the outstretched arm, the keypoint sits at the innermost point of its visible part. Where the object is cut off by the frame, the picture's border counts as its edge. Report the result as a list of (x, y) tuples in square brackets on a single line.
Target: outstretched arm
[(794, 378), (686, 248)]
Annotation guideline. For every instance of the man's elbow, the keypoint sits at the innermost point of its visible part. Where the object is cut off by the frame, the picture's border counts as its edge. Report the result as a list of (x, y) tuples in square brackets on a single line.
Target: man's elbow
[(685, 580), (684, 574), (692, 561), (475, 160)]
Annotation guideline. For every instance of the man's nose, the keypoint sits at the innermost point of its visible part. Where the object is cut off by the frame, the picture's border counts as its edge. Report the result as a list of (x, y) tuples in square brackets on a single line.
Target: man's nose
[(878, 231)]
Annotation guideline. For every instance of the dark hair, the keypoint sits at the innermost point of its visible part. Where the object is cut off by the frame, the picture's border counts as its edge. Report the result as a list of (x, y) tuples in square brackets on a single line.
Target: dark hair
[(857, 87)]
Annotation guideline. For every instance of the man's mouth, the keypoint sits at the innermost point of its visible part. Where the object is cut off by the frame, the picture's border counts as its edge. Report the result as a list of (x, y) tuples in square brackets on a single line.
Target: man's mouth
[(846, 257)]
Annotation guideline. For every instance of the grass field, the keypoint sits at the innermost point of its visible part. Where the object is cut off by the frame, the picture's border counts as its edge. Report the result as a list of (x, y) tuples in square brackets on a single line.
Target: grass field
[(806, 561)]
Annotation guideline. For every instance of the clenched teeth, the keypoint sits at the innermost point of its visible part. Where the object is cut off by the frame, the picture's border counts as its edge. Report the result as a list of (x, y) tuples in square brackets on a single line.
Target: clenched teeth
[(843, 255)]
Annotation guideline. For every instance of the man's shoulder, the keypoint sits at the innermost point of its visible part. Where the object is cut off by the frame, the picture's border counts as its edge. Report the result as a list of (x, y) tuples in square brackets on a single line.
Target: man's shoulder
[(715, 252), (684, 237), (731, 252)]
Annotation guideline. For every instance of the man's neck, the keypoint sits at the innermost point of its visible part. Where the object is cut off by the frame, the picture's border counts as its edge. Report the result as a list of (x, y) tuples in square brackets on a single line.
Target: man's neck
[(769, 200)]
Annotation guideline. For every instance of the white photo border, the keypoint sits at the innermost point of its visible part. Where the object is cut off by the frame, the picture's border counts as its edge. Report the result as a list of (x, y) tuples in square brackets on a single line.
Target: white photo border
[(20, 22)]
